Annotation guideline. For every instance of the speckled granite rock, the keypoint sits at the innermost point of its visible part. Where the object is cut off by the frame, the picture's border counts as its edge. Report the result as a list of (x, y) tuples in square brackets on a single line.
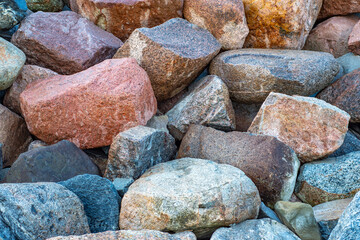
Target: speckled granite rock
[(173, 54), (134, 151), (280, 24), (64, 42), (345, 94), (276, 178), (40, 211), (251, 74), (299, 217), (312, 127), (12, 60), (224, 19), (260, 229), (354, 39), (10, 14), (208, 104), (338, 7), (351, 144), (45, 5), (28, 74), (109, 97), (329, 179), (191, 194)]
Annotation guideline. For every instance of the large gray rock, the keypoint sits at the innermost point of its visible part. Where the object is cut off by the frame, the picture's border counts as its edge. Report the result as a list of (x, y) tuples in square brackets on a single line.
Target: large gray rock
[(54, 163), (348, 226), (251, 74), (100, 199), (259, 229), (136, 150), (189, 194), (279, 165), (207, 104), (40, 210), (10, 13), (329, 179)]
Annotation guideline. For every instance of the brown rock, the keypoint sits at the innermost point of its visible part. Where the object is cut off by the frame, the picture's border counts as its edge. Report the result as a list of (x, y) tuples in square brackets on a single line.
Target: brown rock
[(280, 24), (122, 17), (244, 115), (275, 179), (13, 134), (313, 128), (354, 39), (64, 42), (331, 210), (28, 74), (89, 108), (345, 94), (224, 19), (338, 7), (173, 54)]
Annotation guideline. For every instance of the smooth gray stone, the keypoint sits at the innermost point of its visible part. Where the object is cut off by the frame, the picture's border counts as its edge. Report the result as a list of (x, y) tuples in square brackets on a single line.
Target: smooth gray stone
[(122, 185), (349, 62)]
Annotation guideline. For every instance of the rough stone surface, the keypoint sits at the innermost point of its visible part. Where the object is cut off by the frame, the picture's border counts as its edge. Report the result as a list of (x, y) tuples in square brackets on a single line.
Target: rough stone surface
[(345, 94), (10, 14), (280, 24), (136, 150), (329, 179), (12, 60), (40, 211), (259, 229), (279, 165), (108, 98), (266, 212), (54, 163), (36, 144), (131, 235), (338, 7), (348, 226), (224, 19), (159, 122), (100, 199), (349, 62), (208, 104), (351, 144), (122, 17), (13, 134), (332, 35), (173, 54), (98, 157), (28, 74), (45, 5), (299, 217), (245, 114), (251, 74), (189, 194), (354, 39), (122, 185), (64, 42), (312, 127)]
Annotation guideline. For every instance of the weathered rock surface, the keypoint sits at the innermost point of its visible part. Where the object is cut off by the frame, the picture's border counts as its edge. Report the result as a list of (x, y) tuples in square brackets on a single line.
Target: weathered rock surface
[(332, 35), (224, 19), (64, 42), (173, 54), (208, 104), (45, 5), (344, 93), (348, 226), (13, 134), (122, 17), (10, 14), (131, 235), (134, 151), (54, 163), (189, 194), (245, 114), (259, 229), (251, 74), (351, 144), (354, 39), (40, 211), (159, 122), (12, 60), (338, 7), (100, 199), (122, 185), (279, 164), (329, 179), (284, 24), (312, 127), (28, 74), (299, 217), (89, 108)]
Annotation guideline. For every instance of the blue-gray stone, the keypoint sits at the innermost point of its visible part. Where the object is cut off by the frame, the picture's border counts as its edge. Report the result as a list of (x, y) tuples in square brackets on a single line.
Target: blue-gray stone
[(349, 62), (266, 212), (100, 199), (1, 155), (326, 228), (11, 13), (122, 185), (351, 144), (3, 173)]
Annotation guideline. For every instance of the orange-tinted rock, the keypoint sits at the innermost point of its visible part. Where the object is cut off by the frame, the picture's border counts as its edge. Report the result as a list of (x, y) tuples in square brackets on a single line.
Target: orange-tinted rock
[(28, 74), (224, 19), (280, 24), (312, 127), (354, 39), (338, 7), (64, 42), (332, 35), (122, 17), (91, 107)]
